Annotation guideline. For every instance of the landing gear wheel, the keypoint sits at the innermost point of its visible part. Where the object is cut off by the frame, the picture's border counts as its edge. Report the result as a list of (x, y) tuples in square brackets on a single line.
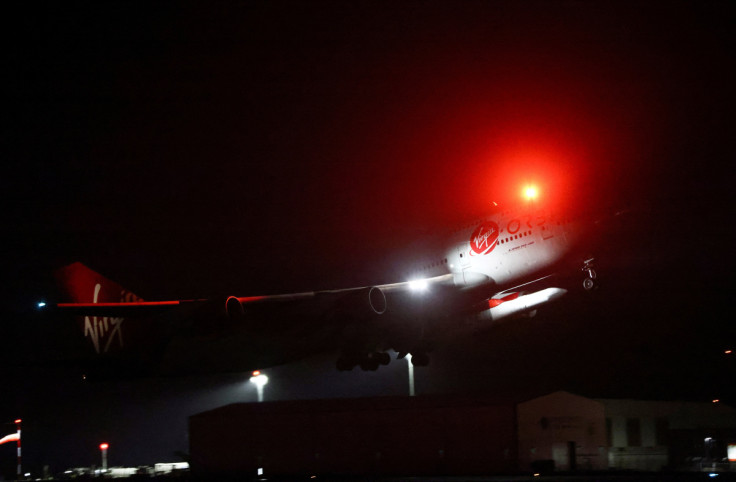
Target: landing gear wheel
[(383, 358), (369, 365), (589, 284)]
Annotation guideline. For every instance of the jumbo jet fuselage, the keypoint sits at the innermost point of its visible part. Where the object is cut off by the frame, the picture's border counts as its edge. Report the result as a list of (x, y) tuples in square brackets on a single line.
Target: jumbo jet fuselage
[(504, 249), (495, 268), (504, 265)]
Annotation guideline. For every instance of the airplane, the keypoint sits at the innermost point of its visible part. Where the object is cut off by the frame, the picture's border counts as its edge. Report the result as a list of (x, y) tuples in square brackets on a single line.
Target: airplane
[(505, 265)]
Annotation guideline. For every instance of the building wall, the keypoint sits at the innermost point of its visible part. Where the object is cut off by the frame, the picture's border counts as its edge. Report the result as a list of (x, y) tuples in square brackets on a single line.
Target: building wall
[(637, 442), (562, 427), (652, 435), (437, 436), (355, 437)]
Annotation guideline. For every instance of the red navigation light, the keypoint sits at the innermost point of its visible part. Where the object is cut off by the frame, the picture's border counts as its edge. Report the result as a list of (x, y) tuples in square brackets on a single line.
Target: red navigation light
[(530, 192), (104, 446), (256, 373), (18, 421)]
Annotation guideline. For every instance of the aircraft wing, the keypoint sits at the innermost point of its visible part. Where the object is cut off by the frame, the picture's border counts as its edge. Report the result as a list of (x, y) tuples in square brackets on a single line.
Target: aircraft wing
[(191, 335), (94, 295), (253, 332)]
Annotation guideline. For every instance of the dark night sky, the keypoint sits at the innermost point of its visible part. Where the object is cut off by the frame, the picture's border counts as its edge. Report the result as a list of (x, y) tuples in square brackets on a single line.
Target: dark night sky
[(187, 149)]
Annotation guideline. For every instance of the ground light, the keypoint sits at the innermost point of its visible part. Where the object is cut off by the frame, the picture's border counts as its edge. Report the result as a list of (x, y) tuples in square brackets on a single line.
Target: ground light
[(411, 375), (731, 451), (259, 380), (103, 450), (17, 425)]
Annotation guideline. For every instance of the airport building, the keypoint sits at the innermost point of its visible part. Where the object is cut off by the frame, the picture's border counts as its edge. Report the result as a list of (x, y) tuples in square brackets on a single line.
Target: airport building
[(441, 435), (646, 435), (388, 435)]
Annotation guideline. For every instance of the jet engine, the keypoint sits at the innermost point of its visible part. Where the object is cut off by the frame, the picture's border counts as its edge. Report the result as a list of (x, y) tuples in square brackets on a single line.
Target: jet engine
[(367, 301), (234, 310), (363, 301)]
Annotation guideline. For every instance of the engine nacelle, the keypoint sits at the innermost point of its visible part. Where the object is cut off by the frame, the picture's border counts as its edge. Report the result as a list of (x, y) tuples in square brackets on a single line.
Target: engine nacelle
[(234, 310), (364, 301), (377, 300)]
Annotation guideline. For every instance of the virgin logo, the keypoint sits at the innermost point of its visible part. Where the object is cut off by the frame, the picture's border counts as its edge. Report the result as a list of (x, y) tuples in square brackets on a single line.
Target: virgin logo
[(484, 238), (103, 330)]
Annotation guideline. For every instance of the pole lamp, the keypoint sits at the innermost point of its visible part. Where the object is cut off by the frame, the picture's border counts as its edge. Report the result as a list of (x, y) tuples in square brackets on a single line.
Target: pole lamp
[(259, 380), (411, 375), (17, 426), (103, 450)]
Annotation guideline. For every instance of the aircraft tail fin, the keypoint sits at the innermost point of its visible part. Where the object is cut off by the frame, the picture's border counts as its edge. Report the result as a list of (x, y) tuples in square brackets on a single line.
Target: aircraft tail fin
[(80, 284), (123, 336)]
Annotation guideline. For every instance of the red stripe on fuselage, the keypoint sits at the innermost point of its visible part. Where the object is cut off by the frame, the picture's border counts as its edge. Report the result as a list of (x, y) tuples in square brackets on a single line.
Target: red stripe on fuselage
[(110, 305)]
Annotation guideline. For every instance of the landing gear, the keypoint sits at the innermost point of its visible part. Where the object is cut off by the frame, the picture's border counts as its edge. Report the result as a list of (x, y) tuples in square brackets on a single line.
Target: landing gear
[(420, 359), (372, 360), (590, 281)]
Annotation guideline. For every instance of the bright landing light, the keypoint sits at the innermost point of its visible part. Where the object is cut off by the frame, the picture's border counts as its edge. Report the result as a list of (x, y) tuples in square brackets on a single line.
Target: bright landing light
[(530, 192), (418, 285)]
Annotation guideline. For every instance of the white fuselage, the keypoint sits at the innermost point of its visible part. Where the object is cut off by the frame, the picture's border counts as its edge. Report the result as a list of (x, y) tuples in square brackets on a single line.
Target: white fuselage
[(503, 248)]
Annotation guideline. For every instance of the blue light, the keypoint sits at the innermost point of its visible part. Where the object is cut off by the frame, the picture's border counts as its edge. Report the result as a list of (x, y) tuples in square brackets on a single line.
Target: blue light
[(711, 475), (41, 304)]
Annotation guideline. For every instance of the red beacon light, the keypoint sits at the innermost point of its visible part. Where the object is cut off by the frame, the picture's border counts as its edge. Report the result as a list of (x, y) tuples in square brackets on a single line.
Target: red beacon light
[(256, 373), (104, 446), (531, 193)]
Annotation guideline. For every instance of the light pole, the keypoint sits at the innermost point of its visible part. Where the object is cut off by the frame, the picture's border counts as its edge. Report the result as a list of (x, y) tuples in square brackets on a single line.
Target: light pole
[(17, 425), (103, 449), (411, 374), (259, 380)]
